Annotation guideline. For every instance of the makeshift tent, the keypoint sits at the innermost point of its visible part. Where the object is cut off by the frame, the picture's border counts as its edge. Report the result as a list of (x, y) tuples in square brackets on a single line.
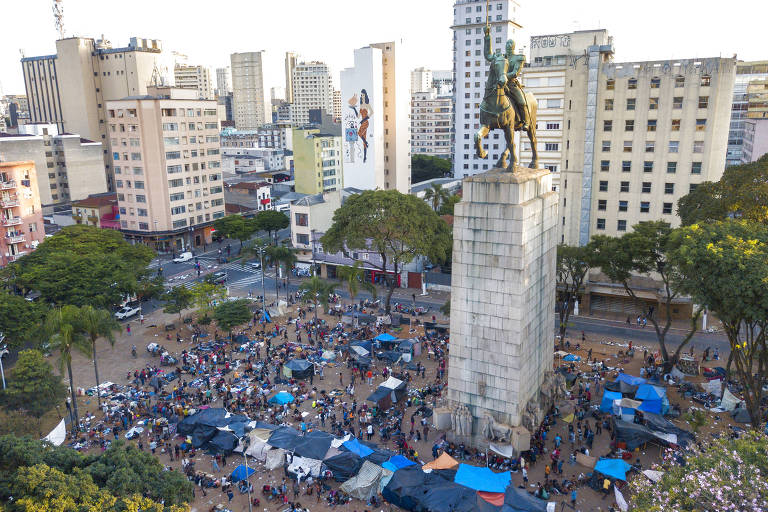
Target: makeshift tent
[(635, 435), (361, 351), (390, 391), (625, 408), (385, 337), (285, 437), (328, 355), (203, 428), (653, 476), (740, 415), (729, 402), (275, 459), (58, 435), (519, 500), (571, 357), (306, 465), (396, 462), (258, 450), (412, 489), (313, 445), (482, 478), (241, 473), (661, 425), (613, 468), (390, 355), (356, 447), (653, 399), (365, 484), (622, 387), (630, 379), (282, 398), (366, 345), (378, 455), (344, 465), (298, 369), (607, 403)]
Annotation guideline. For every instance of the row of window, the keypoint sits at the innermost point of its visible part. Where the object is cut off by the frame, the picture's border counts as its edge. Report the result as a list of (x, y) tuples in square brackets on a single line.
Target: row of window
[(652, 124), (653, 103), (127, 184), (655, 83), (650, 146), (626, 166), (646, 186), (623, 206)]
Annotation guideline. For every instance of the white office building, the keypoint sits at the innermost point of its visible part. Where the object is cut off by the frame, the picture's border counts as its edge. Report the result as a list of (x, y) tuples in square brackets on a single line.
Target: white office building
[(223, 81), (312, 88), (196, 78)]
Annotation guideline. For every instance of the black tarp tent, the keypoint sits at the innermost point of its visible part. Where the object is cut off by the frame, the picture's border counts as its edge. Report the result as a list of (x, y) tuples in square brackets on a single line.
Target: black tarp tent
[(284, 437), (410, 488), (298, 369), (622, 387), (203, 429), (314, 445), (659, 423), (344, 466)]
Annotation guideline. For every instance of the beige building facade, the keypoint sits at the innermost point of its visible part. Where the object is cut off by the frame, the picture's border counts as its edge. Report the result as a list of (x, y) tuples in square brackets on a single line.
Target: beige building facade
[(198, 78), (290, 65), (247, 90), (21, 217), (312, 88), (431, 124), (167, 162)]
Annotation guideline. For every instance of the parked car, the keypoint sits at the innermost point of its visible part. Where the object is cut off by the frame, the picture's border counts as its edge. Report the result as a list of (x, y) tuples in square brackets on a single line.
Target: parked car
[(127, 311), (255, 264), (181, 258), (219, 277)]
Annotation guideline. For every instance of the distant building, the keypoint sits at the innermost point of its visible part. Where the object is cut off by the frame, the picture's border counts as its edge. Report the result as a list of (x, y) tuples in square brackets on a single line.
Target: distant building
[(312, 88), (273, 135), (259, 193), (337, 106), (755, 139), (197, 78), (247, 160), (248, 90), (442, 81), (421, 80), (748, 76), (21, 217), (68, 167), (317, 161), (223, 81), (168, 173), (100, 210), (431, 124), (290, 65), (375, 124)]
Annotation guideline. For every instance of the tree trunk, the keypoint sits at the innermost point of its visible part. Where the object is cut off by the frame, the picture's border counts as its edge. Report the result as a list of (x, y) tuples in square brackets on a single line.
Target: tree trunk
[(96, 371), (390, 289), (74, 396), (277, 282)]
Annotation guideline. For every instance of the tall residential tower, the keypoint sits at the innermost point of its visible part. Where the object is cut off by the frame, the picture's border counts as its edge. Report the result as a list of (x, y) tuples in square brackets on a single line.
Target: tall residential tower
[(248, 90)]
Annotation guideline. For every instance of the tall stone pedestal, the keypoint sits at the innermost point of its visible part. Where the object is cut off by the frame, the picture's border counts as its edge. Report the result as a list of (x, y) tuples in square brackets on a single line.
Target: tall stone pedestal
[(502, 297)]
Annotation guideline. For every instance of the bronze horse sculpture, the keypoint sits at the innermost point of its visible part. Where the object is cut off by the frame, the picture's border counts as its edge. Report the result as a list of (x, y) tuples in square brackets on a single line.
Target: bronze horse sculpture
[(498, 111)]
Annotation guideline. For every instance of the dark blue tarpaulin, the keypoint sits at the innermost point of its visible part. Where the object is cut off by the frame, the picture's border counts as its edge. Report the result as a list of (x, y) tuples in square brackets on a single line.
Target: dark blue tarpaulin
[(240, 474), (482, 478), (630, 379), (285, 438), (354, 446)]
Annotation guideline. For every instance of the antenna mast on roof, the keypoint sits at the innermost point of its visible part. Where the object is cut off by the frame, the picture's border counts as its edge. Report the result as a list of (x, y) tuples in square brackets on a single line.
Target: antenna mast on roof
[(58, 15)]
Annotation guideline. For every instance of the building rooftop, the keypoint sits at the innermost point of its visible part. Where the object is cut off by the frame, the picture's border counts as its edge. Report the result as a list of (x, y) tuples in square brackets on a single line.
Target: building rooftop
[(423, 185), (250, 185), (97, 200)]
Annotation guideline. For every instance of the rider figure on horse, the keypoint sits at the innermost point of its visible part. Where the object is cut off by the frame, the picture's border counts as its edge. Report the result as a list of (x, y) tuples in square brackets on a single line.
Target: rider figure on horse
[(512, 88)]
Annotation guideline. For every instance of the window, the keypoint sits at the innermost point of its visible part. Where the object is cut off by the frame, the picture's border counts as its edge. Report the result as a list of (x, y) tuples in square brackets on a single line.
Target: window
[(653, 103), (666, 208), (179, 196), (655, 83), (624, 186), (621, 225), (632, 83), (679, 81), (301, 219), (651, 125), (141, 212), (701, 125), (551, 146), (171, 141), (554, 103), (603, 186), (179, 223), (553, 126), (647, 166), (675, 125), (646, 189), (607, 126), (605, 165), (674, 146), (140, 198), (172, 155), (119, 183), (698, 146), (600, 224), (677, 102), (706, 81), (173, 169), (645, 207), (703, 101), (626, 166), (606, 146), (669, 188), (629, 125), (650, 146), (176, 210), (627, 146), (696, 168), (623, 206), (175, 183), (631, 103), (671, 167), (610, 84), (609, 104), (602, 204), (302, 239)]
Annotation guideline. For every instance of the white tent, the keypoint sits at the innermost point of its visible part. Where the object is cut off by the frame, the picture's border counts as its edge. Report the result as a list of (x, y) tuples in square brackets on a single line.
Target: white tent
[(391, 383), (275, 459), (729, 401), (307, 465), (713, 387), (58, 435), (653, 476), (258, 450), (366, 483)]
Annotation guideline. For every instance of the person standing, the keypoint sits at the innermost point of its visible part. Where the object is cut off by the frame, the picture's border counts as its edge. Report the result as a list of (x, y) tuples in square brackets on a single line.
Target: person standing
[(128, 328)]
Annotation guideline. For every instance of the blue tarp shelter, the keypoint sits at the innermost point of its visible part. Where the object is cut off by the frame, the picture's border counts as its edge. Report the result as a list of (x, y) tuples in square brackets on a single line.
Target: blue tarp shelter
[(240, 473), (384, 337), (608, 397), (396, 462), (653, 399), (571, 357), (613, 468), (630, 379), (482, 478), (354, 446), (282, 398), (265, 317)]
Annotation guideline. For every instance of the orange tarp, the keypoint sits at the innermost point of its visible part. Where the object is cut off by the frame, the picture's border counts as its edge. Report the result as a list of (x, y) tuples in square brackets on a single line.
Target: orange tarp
[(444, 461), (494, 498)]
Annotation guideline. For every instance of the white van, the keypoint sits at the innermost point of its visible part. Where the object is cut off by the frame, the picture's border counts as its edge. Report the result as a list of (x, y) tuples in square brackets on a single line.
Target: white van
[(181, 258)]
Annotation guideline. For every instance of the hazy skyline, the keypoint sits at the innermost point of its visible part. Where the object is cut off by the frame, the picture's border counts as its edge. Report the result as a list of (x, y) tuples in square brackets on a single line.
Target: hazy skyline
[(207, 32)]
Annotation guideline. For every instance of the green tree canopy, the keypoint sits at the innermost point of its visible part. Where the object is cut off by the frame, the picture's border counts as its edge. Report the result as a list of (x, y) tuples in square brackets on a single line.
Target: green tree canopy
[(230, 314), (177, 300), (354, 279), (32, 385), (447, 206), (235, 226), (98, 323), (205, 293), (397, 227), (573, 264), (436, 195), (272, 221), (82, 265), (425, 167), (317, 292), (19, 318), (724, 266), (742, 192)]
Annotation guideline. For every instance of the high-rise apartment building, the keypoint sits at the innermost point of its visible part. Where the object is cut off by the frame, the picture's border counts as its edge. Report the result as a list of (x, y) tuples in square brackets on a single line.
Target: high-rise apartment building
[(337, 105), (317, 161), (71, 88), (431, 124), (290, 64), (442, 80), (194, 77), (68, 167), (375, 125), (469, 68), (421, 80), (21, 217), (746, 74), (223, 81), (167, 168), (248, 90), (312, 88)]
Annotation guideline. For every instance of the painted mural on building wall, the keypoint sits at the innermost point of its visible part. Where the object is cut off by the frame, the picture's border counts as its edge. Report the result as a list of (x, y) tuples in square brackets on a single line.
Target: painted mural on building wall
[(358, 127)]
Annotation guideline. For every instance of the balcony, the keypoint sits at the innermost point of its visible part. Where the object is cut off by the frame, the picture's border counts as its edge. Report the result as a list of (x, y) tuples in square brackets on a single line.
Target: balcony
[(7, 185), (9, 202), (15, 257), (15, 239), (11, 221)]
